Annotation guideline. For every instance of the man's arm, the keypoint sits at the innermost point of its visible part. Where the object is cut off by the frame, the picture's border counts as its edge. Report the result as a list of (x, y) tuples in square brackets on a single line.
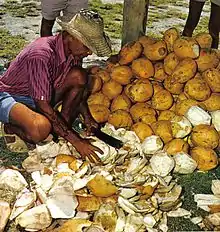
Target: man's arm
[(60, 127)]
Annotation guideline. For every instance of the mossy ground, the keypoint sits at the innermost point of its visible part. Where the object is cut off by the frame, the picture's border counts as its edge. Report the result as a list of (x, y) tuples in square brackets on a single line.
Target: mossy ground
[(112, 14)]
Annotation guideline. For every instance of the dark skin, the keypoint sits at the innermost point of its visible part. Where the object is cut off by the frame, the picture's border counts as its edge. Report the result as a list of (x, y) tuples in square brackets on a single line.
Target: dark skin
[(34, 126), (46, 27), (195, 10)]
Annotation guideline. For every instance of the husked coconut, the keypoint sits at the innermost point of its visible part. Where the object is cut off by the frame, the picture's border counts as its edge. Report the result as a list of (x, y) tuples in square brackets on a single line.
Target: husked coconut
[(170, 36), (5, 213), (152, 144), (140, 90), (120, 118), (197, 89), (160, 73), (170, 62), (212, 77), (104, 75), (206, 158), (162, 100), (130, 52), (183, 106), (166, 115), (163, 129), (142, 68), (172, 85), (204, 40), (184, 164), (100, 113), (139, 110), (213, 102), (162, 164), (197, 116), (207, 59), (175, 146), (146, 40), (180, 126), (122, 74), (121, 102), (205, 136), (98, 98), (216, 187), (216, 119), (111, 89), (156, 51), (185, 70), (142, 130), (186, 48)]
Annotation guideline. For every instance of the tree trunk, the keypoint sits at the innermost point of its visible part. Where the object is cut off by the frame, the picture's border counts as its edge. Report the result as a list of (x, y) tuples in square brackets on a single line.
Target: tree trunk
[(134, 19)]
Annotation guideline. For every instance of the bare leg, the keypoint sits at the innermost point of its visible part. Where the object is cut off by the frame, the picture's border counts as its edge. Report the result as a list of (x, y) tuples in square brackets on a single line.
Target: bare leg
[(195, 10), (46, 27), (27, 124), (214, 24), (71, 94)]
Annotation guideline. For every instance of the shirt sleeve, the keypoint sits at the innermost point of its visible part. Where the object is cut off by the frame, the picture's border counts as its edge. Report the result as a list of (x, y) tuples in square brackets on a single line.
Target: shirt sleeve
[(39, 80)]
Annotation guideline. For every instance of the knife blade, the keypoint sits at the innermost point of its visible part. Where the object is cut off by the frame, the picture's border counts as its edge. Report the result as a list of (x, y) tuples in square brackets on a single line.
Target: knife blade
[(107, 138)]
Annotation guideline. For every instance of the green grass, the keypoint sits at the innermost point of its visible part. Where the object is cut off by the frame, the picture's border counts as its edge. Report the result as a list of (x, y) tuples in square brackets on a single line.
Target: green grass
[(10, 45)]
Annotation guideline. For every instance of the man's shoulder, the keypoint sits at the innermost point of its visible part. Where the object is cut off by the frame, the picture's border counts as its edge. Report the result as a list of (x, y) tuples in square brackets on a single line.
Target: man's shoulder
[(43, 47)]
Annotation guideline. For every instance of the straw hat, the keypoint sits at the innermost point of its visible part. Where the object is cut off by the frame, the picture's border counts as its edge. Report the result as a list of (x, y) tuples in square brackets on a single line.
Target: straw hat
[(88, 27)]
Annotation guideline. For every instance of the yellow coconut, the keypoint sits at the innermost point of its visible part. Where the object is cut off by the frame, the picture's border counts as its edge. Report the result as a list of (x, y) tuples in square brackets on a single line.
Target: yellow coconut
[(130, 52), (121, 102), (212, 77), (139, 110), (204, 40), (185, 70), (207, 59), (98, 98), (183, 106), (162, 100), (170, 63), (156, 51), (142, 130), (186, 48), (100, 113), (163, 130), (166, 115), (197, 89), (173, 86), (213, 102), (205, 136), (111, 89), (95, 83), (142, 68), (160, 73), (140, 90), (120, 118), (170, 36), (175, 146), (206, 158), (104, 75), (122, 74)]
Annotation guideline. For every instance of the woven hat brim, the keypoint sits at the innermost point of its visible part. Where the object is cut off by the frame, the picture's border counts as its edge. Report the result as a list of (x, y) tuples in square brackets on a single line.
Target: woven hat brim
[(98, 45)]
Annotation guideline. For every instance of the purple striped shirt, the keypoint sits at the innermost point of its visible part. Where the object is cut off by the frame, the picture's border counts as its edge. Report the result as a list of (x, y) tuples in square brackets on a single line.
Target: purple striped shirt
[(39, 69)]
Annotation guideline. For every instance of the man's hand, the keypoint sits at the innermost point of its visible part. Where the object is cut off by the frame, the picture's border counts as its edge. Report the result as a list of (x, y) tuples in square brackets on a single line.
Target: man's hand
[(88, 150), (90, 123)]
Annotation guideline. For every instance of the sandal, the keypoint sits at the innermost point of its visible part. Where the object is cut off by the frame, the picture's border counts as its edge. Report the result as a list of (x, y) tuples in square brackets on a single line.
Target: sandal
[(13, 142)]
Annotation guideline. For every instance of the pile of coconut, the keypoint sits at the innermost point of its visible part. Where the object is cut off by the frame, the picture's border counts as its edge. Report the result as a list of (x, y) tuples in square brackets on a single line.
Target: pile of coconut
[(161, 99), (169, 88)]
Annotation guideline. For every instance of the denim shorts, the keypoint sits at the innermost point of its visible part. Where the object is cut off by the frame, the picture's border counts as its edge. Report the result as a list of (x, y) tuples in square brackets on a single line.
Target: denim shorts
[(7, 101)]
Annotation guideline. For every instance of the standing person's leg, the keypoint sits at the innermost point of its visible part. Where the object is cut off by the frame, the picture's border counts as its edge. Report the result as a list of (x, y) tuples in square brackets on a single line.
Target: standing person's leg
[(73, 6), (50, 10), (195, 10), (214, 23)]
